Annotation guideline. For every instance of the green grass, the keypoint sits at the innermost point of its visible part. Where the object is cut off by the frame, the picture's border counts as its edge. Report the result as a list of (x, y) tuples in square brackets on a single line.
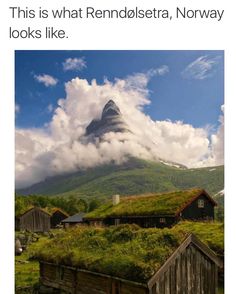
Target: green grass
[(162, 204), (136, 176), (26, 269), (125, 251), (210, 233), (26, 272)]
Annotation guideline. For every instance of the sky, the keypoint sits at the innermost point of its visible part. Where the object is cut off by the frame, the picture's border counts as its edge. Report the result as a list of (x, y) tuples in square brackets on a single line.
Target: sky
[(193, 99), (172, 101)]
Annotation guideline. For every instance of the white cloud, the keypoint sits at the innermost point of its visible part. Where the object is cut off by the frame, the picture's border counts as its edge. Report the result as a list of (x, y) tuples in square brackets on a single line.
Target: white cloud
[(76, 64), (17, 108), (201, 68), (139, 81), (61, 147), (50, 108), (47, 80), (216, 156)]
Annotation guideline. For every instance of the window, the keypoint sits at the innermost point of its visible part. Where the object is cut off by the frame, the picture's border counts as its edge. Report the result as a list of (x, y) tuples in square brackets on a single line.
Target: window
[(201, 203), (162, 220), (117, 221)]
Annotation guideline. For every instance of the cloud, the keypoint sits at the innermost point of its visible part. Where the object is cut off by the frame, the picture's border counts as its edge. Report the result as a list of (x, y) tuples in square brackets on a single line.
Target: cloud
[(201, 68), (47, 80), (216, 156), (139, 81), (75, 64), (61, 147), (17, 108), (50, 108)]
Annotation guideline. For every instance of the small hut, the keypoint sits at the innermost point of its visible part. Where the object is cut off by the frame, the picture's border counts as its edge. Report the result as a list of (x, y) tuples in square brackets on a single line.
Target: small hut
[(191, 268), (73, 220), (57, 216), (34, 219), (155, 210)]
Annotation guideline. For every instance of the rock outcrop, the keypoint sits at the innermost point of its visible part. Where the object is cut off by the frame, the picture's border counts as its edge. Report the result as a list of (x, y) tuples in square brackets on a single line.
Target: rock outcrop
[(111, 121)]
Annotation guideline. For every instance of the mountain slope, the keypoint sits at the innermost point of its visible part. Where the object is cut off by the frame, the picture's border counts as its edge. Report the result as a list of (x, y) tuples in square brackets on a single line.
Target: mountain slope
[(135, 176)]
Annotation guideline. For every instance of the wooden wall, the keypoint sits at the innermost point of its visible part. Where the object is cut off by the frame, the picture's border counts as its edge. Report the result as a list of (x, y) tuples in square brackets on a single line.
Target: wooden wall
[(190, 273), (56, 218), (193, 212), (142, 221), (35, 220), (74, 281)]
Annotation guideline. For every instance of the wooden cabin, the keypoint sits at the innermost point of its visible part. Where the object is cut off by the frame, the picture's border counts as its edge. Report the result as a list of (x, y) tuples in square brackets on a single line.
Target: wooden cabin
[(57, 216), (191, 269), (34, 219), (73, 220), (155, 210)]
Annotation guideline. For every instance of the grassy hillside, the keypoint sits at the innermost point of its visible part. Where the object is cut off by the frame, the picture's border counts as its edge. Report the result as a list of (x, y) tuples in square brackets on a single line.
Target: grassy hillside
[(136, 176)]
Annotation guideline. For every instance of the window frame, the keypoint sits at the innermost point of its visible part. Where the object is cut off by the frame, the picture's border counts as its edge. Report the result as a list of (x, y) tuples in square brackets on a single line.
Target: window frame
[(201, 203), (162, 220)]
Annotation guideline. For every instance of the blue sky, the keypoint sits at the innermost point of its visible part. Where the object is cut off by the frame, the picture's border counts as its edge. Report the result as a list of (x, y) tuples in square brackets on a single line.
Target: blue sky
[(192, 90)]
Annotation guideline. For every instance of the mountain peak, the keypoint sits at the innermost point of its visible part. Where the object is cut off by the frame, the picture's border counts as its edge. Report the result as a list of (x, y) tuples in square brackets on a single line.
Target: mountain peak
[(111, 121), (110, 109)]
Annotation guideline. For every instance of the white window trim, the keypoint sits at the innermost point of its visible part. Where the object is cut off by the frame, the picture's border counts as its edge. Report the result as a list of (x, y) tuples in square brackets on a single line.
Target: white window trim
[(201, 203), (162, 220)]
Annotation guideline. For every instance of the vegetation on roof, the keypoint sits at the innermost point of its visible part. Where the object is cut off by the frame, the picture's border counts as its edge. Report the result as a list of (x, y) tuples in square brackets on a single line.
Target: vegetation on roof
[(154, 204), (69, 206), (125, 251), (210, 233)]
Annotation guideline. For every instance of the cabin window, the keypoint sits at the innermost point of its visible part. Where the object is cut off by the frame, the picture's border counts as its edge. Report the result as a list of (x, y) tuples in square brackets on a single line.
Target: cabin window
[(117, 221), (162, 220), (201, 203)]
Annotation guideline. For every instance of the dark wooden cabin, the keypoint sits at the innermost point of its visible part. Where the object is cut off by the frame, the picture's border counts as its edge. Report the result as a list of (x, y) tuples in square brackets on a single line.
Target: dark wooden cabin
[(73, 220), (57, 216), (155, 210), (191, 269), (35, 220)]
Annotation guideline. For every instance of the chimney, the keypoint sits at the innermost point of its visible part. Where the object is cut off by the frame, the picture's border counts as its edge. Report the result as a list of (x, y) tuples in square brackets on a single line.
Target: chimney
[(115, 199)]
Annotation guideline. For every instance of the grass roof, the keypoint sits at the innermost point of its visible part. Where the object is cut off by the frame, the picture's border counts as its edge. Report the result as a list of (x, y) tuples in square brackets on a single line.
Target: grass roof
[(168, 203), (52, 210), (23, 210), (48, 210), (125, 251)]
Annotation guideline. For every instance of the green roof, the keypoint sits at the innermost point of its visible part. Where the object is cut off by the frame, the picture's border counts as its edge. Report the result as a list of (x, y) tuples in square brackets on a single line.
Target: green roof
[(169, 203), (29, 208), (125, 251), (48, 210)]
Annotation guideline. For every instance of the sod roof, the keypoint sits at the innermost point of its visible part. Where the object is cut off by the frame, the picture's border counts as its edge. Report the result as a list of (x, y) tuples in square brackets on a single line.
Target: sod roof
[(29, 208), (47, 210), (170, 203), (125, 251), (52, 210)]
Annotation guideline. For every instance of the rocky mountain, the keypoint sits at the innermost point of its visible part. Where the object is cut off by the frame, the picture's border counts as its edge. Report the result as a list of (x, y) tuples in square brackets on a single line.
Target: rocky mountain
[(111, 121), (134, 176)]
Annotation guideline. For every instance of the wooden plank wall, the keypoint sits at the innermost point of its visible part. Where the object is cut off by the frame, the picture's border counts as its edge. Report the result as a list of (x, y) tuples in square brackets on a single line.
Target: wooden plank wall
[(35, 221), (190, 273), (80, 282)]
